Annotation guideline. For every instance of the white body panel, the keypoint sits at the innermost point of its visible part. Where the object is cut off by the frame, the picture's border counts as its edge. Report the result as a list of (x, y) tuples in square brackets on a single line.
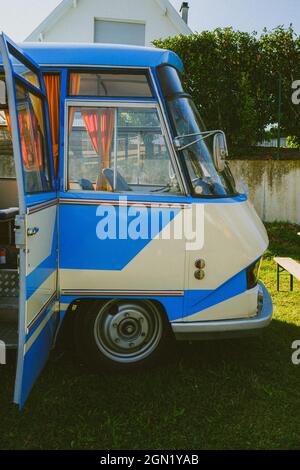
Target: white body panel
[(240, 306), (39, 249), (234, 237)]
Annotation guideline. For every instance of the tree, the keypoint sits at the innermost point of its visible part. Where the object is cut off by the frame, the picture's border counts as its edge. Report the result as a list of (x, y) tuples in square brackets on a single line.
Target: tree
[(233, 77)]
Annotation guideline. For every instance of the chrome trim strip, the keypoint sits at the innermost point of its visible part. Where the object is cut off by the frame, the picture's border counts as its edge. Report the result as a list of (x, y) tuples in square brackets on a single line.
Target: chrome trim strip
[(108, 202), (72, 292), (42, 205), (41, 312)]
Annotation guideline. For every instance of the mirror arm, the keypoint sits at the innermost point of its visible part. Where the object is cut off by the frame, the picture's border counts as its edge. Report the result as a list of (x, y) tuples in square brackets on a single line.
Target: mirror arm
[(203, 135)]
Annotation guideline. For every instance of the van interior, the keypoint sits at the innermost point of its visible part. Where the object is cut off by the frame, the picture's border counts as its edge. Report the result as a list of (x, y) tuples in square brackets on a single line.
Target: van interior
[(9, 278)]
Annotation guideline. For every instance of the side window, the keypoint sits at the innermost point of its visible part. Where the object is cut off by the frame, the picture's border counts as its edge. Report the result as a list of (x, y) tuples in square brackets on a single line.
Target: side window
[(112, 84), (7, 165), (33, 141), (30, 101), (119, 149)]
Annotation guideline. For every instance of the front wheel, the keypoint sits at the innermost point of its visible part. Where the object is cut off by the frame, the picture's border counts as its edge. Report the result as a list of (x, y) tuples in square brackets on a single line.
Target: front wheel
[(121, 334)]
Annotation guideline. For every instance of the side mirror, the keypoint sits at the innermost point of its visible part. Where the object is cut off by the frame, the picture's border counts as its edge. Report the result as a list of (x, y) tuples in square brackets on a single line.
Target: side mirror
[(220, 151)]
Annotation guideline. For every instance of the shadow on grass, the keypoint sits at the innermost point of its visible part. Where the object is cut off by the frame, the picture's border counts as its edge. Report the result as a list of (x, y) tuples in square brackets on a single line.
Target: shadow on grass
[(213, 394), (284, 240)]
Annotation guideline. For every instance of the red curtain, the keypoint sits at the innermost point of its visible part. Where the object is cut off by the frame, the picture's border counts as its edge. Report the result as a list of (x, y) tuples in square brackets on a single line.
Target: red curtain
[(90, 118), (37, 122), (24, 124), (107, 121)]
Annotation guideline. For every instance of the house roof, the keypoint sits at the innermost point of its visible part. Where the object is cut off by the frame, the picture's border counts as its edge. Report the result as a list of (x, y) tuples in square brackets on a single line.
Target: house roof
[(66, 5), (55, 54)]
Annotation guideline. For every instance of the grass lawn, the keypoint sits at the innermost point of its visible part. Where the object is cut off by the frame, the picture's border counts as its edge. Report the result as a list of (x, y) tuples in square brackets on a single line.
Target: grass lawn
[(242, 393)]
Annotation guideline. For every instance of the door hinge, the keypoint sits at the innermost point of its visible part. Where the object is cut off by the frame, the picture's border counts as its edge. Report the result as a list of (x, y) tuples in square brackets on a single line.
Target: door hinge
[(20, 231)]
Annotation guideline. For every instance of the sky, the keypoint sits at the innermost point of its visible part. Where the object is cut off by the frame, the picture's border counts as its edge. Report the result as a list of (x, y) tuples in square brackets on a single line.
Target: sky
[(19, 17)]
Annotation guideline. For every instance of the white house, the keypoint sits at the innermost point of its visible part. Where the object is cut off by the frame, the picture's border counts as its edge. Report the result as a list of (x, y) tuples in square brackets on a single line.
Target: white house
[(136, 22)]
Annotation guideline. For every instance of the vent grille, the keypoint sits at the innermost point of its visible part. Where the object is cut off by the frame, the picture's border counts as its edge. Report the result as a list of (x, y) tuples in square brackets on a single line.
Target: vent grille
[(9, 283)]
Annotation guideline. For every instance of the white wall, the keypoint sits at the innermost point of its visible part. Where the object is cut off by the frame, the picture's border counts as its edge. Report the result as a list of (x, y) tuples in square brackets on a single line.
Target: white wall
[(77, 25), (274, 187)]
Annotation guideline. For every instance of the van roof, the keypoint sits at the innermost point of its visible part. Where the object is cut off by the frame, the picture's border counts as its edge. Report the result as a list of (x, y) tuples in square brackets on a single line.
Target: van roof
[(55, 54)]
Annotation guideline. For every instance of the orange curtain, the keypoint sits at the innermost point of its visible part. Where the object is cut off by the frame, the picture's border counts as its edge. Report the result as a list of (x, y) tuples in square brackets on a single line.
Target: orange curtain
[(27, 122), (74, 90), (7, 116), (52, 83)]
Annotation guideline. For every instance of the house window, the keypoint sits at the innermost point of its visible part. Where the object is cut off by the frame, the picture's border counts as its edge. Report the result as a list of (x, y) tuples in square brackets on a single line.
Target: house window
[(120, 32)]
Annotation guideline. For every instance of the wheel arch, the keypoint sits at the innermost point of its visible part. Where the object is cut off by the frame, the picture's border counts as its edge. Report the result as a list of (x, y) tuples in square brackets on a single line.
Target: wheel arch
[(79, 305)]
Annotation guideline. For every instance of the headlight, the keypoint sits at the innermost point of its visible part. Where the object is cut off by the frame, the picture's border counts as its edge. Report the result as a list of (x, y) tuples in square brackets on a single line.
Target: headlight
[(253, 274)]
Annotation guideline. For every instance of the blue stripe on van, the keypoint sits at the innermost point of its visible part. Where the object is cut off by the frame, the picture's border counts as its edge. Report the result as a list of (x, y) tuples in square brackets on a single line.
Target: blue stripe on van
[(36, 357), (198, 300), (192, 302), (81, 247)]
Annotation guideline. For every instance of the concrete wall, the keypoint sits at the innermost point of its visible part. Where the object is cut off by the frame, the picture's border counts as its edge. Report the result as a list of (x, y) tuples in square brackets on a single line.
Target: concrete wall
[(274, 187), (77, 24)]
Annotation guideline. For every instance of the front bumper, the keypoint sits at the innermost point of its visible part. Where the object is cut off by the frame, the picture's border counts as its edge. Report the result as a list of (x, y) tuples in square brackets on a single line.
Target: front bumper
[(227, 328)]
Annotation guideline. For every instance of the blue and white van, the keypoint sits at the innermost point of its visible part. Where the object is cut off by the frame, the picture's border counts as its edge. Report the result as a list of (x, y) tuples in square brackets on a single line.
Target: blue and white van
[(119, 218)]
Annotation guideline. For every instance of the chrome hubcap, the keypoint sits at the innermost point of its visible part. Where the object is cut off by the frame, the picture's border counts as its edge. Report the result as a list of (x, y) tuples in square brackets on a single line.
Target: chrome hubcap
[(127, 332)]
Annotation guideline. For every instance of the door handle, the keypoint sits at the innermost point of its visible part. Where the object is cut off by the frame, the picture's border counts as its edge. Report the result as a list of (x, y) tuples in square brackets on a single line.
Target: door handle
[(31, 231)]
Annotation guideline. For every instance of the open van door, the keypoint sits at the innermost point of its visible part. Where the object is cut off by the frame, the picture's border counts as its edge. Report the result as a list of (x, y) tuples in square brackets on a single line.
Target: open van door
[(36, 224)]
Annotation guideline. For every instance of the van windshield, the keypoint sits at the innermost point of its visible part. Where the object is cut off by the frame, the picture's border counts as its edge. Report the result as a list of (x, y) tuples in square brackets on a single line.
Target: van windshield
[(195, 149)]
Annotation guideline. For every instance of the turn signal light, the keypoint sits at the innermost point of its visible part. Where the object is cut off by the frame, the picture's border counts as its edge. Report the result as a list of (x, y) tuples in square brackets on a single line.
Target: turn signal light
[(200, 264), (199, 274)]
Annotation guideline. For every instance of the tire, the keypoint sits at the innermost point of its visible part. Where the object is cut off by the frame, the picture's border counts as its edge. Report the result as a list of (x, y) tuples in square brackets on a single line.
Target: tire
[(121, 334)]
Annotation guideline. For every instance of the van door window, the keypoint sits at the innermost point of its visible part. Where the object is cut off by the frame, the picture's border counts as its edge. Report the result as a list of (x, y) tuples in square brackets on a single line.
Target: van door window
[(119, 149), (33, 141), (7, 164)]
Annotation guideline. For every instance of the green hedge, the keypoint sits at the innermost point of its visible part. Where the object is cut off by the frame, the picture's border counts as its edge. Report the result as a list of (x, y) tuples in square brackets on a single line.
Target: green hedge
[(234, 79)]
